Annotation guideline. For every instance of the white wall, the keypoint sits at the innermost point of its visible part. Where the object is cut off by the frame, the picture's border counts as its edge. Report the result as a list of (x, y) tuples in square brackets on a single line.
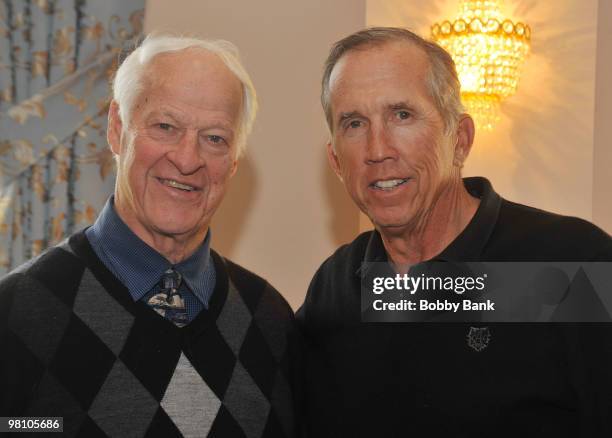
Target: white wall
[(602, 154), (285, 212), (542, 151)]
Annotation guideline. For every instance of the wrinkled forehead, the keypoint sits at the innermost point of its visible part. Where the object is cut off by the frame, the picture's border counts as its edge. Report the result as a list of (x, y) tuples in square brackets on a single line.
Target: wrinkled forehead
[(191, 66), (380, 60), (195, 83)]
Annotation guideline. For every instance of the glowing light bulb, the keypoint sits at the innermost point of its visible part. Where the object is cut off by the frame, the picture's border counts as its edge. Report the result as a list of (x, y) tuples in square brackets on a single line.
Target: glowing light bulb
[(489, 51)]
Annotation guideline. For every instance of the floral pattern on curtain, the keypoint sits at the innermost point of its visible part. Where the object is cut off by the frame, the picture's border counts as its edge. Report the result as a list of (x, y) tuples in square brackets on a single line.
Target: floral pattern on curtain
[(56, 170)]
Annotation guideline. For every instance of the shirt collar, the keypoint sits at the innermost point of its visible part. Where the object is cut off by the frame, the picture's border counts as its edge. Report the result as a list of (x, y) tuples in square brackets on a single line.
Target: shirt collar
[(138, 266), (469, 244)]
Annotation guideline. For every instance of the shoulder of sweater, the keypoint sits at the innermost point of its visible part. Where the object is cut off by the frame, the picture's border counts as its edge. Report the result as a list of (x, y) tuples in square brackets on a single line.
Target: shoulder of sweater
[(55, 262), (254, 288), (57, 271)]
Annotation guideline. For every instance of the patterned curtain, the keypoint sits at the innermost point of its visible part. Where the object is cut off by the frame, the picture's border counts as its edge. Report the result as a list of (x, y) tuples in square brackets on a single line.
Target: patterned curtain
[(56, 170)]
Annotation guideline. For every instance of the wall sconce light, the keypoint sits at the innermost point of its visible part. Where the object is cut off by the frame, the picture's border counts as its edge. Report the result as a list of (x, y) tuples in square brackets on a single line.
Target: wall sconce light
[(489, 51)]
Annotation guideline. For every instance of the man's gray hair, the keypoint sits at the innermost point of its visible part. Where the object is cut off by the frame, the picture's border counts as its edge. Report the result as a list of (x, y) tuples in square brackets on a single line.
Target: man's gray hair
[(128, 84), (128, 81), (442, 79)]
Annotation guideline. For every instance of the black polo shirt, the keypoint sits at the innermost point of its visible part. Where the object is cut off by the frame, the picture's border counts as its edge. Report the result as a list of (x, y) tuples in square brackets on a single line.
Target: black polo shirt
[(425, 379)]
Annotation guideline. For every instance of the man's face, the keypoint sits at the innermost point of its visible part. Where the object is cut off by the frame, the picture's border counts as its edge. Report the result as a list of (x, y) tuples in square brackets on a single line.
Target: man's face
[(389, 146), (180, 144)]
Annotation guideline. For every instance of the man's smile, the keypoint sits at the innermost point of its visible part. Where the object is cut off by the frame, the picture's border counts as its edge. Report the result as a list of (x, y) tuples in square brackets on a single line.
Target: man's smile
[(178, 185), (388, 184)]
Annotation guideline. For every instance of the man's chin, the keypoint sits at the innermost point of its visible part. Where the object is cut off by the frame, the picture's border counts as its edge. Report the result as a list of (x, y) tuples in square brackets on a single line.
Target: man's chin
[(178, 229), (392, 227), (389, 221)]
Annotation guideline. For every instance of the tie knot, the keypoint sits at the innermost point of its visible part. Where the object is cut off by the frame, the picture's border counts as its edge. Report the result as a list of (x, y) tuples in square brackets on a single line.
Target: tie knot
[(171, 280)]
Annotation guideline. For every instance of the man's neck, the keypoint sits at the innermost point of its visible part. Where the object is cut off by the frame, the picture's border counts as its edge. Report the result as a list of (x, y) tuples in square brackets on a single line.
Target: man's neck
[(430, 233), (175, 248)]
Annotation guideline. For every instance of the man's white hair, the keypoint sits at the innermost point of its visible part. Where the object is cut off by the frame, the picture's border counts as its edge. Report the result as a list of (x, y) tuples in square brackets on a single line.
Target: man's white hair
[(128, 84), (128, 81)]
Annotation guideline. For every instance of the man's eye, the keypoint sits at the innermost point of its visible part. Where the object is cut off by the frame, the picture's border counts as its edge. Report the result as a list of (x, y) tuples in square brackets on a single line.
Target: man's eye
[(164, 126), (402, 115), (355, 124), (216, 139)]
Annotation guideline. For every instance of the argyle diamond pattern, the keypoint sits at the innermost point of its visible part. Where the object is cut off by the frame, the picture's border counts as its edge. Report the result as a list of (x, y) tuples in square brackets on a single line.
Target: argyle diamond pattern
[(80, 348)]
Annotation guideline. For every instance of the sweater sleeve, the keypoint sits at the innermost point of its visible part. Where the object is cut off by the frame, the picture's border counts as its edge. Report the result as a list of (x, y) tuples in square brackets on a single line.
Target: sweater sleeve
[(19, 370)]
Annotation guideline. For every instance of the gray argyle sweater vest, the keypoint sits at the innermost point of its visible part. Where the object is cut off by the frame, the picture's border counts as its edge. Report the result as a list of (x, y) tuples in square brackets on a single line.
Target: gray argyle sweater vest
[(73, 344)]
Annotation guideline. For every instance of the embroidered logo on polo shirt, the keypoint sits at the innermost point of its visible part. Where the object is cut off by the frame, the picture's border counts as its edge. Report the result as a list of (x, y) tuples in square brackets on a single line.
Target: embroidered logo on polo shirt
[(478, 338)]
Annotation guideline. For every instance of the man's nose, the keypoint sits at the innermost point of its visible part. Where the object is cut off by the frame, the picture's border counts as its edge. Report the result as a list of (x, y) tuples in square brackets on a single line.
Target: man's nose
[(380, 144), (186, 155)]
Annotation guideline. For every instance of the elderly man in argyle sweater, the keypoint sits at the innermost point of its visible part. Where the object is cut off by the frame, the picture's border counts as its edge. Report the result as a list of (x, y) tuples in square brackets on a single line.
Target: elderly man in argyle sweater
[(135, 326)]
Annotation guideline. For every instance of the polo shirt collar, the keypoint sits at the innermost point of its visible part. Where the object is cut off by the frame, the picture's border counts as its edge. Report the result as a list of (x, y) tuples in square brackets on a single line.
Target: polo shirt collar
[(470, 243), (140, 267)]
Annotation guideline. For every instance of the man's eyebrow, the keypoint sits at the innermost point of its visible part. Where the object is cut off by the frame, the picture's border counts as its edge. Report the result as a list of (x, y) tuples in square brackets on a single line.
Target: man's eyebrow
[(179, 118), (221, 125), (171, 115), (400, 105), (349, 115), (163, 113)]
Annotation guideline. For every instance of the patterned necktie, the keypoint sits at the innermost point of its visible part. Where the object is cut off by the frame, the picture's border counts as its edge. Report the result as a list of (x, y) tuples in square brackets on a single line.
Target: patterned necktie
[(168, 301)]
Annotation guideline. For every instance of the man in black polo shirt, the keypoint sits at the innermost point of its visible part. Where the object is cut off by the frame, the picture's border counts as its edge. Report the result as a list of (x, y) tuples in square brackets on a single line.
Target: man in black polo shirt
[(399, 140)]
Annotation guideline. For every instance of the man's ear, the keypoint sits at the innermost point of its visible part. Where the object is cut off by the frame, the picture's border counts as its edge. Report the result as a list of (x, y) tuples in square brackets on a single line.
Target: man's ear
[(333, 160), (234, 167), (114, 129), (465, 139)]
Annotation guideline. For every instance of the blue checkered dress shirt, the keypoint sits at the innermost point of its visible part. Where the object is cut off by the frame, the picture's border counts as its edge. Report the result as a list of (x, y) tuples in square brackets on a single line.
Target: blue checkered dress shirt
[(140, 268)]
